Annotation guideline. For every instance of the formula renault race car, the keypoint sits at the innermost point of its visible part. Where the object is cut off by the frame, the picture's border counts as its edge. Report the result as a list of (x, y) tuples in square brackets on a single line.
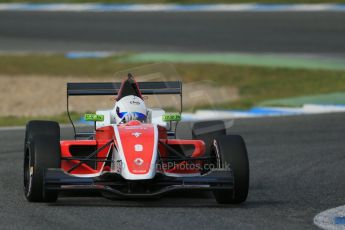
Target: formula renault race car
[(134, 152)]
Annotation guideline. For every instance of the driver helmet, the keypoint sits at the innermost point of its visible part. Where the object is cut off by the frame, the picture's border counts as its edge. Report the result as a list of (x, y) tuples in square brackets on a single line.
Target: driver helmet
[(129, 108)]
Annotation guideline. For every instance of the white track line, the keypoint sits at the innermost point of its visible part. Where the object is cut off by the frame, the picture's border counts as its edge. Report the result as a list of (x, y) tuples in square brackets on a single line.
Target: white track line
[(326, 219), (12, 128)]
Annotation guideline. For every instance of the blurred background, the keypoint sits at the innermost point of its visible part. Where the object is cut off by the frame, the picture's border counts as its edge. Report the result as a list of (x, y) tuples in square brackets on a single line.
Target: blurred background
[(236, 58), (232, 55)]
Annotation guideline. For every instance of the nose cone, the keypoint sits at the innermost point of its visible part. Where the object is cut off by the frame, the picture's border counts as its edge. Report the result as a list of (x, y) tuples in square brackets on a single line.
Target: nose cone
[(139, 145)]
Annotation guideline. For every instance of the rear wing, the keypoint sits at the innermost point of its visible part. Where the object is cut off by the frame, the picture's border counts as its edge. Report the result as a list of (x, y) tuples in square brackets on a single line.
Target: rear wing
[(108, 88), (113, 88)]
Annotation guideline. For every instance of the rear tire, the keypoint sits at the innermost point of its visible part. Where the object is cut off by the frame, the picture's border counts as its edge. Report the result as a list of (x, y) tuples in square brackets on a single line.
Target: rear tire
[(232, 153), (41, 151)]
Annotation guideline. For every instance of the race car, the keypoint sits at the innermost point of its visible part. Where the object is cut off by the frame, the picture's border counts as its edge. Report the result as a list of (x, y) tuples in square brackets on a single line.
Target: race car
[(134, 151)]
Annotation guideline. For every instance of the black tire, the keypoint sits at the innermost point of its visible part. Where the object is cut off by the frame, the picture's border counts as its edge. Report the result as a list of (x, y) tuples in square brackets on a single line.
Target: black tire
[(232, 153), (207, 131), (41, 151), (184, 130), (200, 130), (41, 127)]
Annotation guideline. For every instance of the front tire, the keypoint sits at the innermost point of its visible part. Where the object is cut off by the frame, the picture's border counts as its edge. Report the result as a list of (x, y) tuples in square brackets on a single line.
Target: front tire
[(207, 131), (231, 151), (200, 130), (41, 151)]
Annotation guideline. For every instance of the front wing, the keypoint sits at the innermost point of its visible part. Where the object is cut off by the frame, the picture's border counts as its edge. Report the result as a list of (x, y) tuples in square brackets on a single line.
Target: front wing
[(114, 184)]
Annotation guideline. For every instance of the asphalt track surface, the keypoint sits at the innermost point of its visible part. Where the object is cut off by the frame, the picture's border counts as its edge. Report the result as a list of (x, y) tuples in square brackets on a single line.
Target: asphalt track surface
[(297, 170), (319, 33)]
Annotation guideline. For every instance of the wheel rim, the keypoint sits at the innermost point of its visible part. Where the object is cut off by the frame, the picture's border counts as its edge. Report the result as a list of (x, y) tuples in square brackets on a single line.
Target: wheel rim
[(28, 172), (215, 152)]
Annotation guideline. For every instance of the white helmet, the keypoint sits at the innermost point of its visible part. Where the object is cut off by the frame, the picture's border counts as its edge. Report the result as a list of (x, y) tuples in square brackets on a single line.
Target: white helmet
[(129, 108)]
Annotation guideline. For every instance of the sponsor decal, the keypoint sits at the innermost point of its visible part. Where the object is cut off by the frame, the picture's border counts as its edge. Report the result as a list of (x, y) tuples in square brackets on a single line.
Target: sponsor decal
[(171, 117), (139, 171), (136, 134), (93, 117), (135, 127), (138, 161), (138, 148), (135, 102)]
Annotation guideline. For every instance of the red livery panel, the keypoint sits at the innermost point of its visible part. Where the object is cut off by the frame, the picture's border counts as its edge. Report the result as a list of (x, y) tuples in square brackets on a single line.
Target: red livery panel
[(138, 145)]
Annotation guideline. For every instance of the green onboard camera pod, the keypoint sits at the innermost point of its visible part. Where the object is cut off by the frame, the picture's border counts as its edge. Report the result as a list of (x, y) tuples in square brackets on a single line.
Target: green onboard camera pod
[(171, 117), (93, 117)]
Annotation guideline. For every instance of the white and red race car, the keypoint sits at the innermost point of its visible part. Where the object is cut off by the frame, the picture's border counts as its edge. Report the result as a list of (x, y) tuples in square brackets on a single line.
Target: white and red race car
[(138, 158)]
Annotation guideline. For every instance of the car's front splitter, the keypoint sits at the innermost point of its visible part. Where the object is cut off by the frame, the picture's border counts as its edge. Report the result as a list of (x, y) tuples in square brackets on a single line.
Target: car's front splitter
[(114, 184)]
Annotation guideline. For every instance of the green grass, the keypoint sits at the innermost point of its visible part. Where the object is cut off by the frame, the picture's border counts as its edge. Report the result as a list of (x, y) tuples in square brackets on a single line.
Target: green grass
[(174, 1), (255, 84), (59, 65)]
